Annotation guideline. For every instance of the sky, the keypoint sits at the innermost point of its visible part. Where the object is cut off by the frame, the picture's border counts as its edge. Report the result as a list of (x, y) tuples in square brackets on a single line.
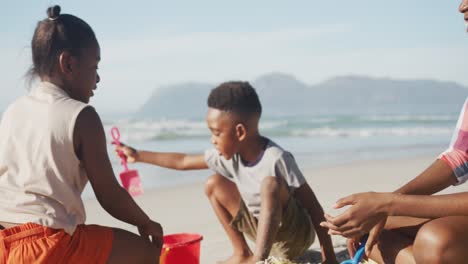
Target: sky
[(152, 43)]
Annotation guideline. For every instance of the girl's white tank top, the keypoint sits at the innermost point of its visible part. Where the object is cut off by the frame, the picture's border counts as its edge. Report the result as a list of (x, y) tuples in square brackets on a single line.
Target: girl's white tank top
[(41, 178)]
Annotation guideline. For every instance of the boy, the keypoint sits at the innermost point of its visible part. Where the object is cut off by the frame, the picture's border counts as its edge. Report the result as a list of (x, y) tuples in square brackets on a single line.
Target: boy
[(257, 189)]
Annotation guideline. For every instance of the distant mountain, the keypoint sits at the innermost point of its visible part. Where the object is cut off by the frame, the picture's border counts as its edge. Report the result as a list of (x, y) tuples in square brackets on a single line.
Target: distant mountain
[(186, 100), (284, 95)]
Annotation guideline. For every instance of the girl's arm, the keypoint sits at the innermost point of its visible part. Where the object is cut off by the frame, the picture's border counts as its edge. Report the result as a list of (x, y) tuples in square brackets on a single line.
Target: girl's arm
[(177, 161), (90, 146)]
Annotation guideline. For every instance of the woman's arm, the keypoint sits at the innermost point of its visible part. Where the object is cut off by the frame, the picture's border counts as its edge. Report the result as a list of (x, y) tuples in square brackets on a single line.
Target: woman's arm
[(369, 209), (438, 176), (425, 206)]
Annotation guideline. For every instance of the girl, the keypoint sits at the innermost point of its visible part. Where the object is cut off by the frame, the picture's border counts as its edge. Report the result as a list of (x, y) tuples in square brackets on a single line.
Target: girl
[(51, 144)]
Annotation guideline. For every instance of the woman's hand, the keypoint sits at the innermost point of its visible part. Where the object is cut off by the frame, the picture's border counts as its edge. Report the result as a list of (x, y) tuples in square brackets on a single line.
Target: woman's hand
[(366, 211), (374, 235), (153, 232), (353, 244)]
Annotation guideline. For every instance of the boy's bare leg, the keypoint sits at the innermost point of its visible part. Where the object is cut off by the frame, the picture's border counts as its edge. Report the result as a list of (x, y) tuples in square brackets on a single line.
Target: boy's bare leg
[(414, 240), (225, 200)]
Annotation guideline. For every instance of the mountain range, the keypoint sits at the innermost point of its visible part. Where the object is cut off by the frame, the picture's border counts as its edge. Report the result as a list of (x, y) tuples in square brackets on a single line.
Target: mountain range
[(284, 95)]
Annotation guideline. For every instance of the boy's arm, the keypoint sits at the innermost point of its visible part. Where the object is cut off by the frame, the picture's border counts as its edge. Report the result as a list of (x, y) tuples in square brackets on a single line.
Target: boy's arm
[(307, 198), (269, 218), (171, 160)]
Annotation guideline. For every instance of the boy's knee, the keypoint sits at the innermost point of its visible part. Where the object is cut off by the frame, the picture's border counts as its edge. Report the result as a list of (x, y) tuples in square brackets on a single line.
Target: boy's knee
[(431, 244), (274, 184), (269, 183), (211, 183)]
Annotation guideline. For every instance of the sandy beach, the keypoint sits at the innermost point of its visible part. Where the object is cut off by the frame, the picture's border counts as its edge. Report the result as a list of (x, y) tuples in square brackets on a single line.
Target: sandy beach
[(186, 209)]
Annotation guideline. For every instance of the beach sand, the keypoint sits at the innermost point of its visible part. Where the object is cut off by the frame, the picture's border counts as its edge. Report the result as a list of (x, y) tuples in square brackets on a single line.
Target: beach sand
[(185, 208)]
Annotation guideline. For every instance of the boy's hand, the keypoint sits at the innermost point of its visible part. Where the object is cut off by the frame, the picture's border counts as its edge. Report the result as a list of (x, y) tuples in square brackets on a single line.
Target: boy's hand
[(252, 260), (331, 261), (130, 153), (153, 232), (352, 245)]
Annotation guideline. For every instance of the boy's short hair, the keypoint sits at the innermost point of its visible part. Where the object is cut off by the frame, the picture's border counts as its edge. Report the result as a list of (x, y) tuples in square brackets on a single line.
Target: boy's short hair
[(236, 97)]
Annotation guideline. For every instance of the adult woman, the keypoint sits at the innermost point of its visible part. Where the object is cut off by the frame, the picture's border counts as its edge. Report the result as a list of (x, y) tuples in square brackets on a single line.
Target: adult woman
[(411, 225)]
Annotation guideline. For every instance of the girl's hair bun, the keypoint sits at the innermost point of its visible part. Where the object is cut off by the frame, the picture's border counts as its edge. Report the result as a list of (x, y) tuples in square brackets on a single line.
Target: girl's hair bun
[(53, 12)]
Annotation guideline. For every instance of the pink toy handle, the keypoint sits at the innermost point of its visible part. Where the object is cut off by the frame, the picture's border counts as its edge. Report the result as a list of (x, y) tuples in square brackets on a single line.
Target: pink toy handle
[(116, 137)]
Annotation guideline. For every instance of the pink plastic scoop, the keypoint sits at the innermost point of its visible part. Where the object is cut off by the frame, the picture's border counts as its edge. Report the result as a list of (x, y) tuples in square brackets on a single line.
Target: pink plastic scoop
[(129, 178)]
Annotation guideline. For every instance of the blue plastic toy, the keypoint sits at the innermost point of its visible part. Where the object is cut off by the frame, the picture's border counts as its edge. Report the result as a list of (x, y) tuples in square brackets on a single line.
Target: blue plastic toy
[(359, 253)]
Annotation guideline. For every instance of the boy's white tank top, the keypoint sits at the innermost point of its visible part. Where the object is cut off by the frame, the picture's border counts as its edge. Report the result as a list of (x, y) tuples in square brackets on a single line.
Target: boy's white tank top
[(41, 178)]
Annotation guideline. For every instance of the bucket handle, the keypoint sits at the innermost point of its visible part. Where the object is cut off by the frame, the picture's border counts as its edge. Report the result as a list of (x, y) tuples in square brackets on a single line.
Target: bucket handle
[(164, 255)]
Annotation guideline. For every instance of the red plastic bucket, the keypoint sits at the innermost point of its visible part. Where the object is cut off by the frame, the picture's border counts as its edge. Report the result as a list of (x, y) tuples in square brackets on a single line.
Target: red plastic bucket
[(181, 248)]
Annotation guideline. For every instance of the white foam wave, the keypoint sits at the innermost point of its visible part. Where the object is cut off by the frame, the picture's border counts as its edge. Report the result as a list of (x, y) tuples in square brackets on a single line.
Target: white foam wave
[(144, 130), (164, 129), (370, 132), (400, 118)]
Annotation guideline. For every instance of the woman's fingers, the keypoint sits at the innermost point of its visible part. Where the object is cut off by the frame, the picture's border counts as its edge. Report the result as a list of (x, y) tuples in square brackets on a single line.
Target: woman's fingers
[(339, 220), (353, 233), (332, 229), (336, 229), (348, 200), (374, 236)]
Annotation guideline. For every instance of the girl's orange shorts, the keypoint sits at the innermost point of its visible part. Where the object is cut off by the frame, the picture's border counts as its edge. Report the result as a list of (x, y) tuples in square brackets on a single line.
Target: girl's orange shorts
[(33, 243)]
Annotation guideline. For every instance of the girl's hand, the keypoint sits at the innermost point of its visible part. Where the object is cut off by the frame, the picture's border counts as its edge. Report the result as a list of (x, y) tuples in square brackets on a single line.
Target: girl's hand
[(366, 211), (130, 153), (153, 232)]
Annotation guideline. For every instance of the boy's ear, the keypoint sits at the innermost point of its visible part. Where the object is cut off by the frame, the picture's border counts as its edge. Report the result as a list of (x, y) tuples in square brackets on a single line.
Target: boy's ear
[(66, 62), (241, 131)]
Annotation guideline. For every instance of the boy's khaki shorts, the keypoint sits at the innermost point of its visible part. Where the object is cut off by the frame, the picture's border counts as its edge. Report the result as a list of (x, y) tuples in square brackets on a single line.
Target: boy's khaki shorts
[(295, 235)]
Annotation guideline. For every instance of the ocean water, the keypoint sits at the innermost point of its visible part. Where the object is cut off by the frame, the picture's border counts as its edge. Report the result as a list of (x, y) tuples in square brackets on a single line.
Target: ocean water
[(315, 141)]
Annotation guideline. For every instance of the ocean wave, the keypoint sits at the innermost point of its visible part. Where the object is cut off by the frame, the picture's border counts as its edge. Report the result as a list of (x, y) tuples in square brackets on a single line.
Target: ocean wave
[(313, 126), (370, 132), (147, 130), (410, 118)]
